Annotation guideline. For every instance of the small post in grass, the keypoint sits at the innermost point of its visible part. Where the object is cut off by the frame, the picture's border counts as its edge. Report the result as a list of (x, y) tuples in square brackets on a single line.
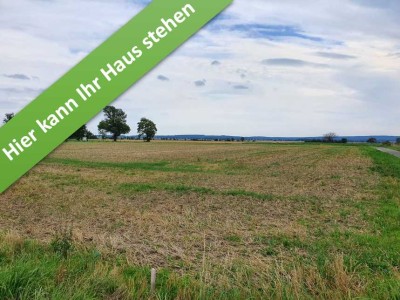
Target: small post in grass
[(153, 280)]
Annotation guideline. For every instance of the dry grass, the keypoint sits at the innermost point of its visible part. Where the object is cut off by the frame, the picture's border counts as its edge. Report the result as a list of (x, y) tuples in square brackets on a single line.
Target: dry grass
[(278, 169), (236, 207)]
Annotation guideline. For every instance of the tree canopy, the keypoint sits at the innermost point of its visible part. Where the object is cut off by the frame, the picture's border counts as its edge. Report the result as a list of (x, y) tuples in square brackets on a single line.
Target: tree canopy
[(8, 117), (147, 129), (81, 133), (329, 137), (114, 122)]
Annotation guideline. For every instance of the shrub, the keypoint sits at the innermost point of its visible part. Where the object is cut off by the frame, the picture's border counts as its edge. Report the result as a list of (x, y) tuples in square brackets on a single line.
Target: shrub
[(62, 243)]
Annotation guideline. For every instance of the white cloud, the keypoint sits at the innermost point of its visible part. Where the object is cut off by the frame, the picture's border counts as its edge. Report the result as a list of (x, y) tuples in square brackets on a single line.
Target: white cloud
[(354, 93)]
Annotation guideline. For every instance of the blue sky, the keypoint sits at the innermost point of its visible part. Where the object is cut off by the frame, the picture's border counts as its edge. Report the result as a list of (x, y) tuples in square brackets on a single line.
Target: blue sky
[(263, 67)]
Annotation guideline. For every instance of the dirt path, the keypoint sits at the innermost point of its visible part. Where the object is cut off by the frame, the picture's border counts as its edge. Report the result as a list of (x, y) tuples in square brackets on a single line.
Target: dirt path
[(390, 151)]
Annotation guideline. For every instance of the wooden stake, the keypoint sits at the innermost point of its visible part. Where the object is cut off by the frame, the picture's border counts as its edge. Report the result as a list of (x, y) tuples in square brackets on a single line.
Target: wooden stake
[(153, 280)]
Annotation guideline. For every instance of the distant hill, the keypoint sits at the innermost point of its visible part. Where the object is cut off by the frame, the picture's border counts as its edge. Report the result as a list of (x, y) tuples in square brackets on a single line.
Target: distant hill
[(201, 137), (354, 139)]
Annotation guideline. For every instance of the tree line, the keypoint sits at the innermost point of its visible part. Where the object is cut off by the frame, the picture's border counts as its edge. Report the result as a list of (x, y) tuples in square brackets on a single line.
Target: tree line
[(332, 137), (114, 124)]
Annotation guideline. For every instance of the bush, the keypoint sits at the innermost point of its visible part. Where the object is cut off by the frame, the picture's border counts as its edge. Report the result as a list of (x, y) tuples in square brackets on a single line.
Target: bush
[(62, 243)]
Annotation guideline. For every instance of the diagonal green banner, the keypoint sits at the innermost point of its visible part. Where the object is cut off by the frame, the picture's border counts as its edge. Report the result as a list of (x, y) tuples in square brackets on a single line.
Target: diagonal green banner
[(98, 80)]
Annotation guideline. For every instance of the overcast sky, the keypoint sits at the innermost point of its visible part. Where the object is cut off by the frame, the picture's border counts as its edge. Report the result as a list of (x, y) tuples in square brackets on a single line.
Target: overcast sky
[(264, 67)]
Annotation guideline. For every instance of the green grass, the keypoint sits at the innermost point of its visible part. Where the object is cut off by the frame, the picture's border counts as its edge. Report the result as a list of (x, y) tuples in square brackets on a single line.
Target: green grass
[(384, 163), (162, 166), (375, 253), (233, 239), (29, 270), (395, 147)]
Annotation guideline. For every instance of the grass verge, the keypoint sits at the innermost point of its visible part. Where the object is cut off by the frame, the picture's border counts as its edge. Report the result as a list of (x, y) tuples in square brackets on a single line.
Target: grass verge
[(29, 270)]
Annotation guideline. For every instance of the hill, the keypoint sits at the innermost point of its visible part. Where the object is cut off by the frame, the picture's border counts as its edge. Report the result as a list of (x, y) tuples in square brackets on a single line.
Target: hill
[(354, 139)]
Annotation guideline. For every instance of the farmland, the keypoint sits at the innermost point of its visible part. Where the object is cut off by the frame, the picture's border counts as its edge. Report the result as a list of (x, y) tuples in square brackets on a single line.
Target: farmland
[(218, 221), (396, 147)]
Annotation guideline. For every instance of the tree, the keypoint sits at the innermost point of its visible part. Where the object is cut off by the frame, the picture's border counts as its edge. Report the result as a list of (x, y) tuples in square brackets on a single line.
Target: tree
[(81, 133), (146, 129), (114, 122), (8, 117), (242, 139), (387, 143), (103, 133), (90, 135), (329, 137), (398, 141), (372, 140)]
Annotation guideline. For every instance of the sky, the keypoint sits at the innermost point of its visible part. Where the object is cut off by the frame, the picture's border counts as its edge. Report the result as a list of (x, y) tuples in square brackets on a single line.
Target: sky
[(263, 67)]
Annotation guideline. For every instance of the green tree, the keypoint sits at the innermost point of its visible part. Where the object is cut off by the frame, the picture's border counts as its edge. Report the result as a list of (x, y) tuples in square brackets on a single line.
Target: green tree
[(81, 133), (90, 135), (8, 117), (146, 129), (387, 143), (114, 122), (398, 141), (372, 140)]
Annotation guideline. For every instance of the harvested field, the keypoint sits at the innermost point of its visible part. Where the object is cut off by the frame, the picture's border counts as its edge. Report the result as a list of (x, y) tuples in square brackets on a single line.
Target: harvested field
[(250, 219)]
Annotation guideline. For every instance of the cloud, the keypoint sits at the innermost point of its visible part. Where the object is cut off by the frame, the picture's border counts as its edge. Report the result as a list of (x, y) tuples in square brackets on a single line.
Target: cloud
[(383, 4), (290, 62), (200, 83), (272, 32), (240, 87), (329, 67), (162, 78), (335, 55), (23, 90), (17, 76)]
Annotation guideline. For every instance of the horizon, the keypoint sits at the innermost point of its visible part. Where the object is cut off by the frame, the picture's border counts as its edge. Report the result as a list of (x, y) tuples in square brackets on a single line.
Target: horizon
[(262, 136)]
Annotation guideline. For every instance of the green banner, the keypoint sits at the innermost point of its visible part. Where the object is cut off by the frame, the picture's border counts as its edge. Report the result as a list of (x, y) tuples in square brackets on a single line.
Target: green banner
[(98, 80)]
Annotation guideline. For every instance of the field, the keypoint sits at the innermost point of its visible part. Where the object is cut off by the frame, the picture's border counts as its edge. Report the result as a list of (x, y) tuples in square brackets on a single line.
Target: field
[(217, 220), (395, 147)]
